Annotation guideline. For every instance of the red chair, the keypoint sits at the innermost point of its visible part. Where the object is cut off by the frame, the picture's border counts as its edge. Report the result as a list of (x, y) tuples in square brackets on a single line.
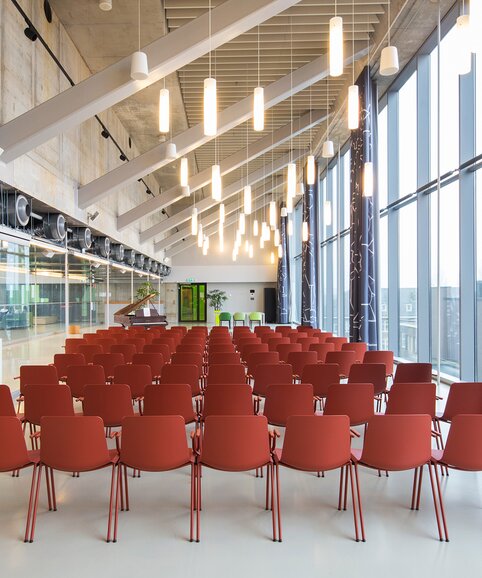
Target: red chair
[(273, 342), (72, 344), (412, 398), (399, 443), (247, 346), (90, 337), (106, 343), (154, 360), (227, 347), (182, 374), (189, 359), (321, 376), (135, 376), (64, 360), (137, 342), (74, 444), (38, 375), (234, 400), (358, 347), (190, 348), (321, 350), (109, 361), (267, 335), (127, 349), (268, 374), (306, 342), (121, 337), (88, 351), (261, 329), (295, 336), (260, 357), (385, 357), (369, 373), (337, 342), (298, 360), (225, 374), (464, 397), (182, 329), (283, 400), (14, 456), (222, 450), (284, 349), (7, 408), (41, 400), (110, 402), (344, 359), (232, 358), (153, 444), (413, 373), (240, 330), (283, 329), (319, 444), (158, 348), (78, 376), (170, 399), (352, 399), (322, 335)]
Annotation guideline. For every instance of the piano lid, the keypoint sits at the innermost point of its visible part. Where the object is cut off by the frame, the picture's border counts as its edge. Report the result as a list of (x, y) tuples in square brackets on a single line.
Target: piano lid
[(134, 306)]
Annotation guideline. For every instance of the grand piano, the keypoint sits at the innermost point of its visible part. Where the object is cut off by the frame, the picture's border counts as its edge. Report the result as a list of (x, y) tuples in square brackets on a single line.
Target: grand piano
[(141, 312)]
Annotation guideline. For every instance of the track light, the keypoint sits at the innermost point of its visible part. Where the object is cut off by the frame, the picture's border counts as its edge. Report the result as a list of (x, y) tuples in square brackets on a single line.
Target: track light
[(105, 133), (30, 33), (164, 110)]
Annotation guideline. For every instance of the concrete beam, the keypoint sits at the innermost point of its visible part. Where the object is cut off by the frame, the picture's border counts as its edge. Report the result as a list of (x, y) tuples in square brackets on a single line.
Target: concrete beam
[(194, 137), (228, 164), (113, 84), (234, 188)]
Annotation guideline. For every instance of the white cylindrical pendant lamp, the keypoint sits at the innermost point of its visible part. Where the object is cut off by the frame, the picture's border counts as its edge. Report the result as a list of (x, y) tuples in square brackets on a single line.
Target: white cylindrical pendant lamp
[(280, 252), (255, 228), (242, 223), (163, 110), (304, 232), (368, 179), (290, 228), (247, 200), (194, 226), (300, 189), (276, 240), (184, 172), (272, 214), (258, 109), (222, 213), (210, 107), (139, 66), (310, 170), (216, 185), (389, 61), (353, 107), (272, 258), (336, 46), (171, 151), (200, 235), (284, 212), (328, 150)]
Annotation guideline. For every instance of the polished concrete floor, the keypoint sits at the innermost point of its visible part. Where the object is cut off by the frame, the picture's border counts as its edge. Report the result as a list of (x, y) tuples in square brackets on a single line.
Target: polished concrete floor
[(235, 528)]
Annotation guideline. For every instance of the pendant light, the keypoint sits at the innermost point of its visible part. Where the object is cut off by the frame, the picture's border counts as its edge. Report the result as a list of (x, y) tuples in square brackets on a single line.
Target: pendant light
[(186, 191), (389, 58), (246, 246), (194, 224), (304, 232), (105, 5), (139, 65), (327, 211), (336, 45), (205, 246), (242, 223), (353, 97), (251, 251), (280, 252), (328, 149), (261, 242), (184, 173), (200, 235), (272, 214), (289, 204), (464, 57), (368, 179), (290, 228), (210, 98), (171, 151), (258, 101), (247, 200), (300, 189), (291, 180), (276, 240), (238, 237), (216, 185), (283, 213), (310, 170), (267, 233), (272, 258), (222, 213), (164, 109), (255, 228)]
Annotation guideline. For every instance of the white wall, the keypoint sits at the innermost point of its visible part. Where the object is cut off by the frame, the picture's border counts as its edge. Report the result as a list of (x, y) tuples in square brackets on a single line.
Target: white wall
[(239, 297)]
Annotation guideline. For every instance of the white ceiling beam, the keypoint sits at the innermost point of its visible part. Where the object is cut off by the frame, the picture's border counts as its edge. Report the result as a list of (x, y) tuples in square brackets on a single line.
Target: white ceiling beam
[(228, 164), (194, 137), (232, 189), (232, 207), (114, 84)]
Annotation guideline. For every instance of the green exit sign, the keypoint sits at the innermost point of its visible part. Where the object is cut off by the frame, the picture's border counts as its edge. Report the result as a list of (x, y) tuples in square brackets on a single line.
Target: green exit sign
[(190, 280)]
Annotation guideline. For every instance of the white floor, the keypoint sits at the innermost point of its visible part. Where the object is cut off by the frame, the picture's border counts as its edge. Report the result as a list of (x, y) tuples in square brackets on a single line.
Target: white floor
[(318, 540)]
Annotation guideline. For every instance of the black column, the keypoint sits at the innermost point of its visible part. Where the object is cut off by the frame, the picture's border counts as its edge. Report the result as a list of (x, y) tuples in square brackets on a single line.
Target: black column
[(364, 219), (283, 300), (309, 272)]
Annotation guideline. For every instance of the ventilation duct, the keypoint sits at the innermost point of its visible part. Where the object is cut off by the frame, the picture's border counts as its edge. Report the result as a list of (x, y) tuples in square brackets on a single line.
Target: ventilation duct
[(139, 261), (102, 246), (18, 210), (154, 266), (130, 256), (117, 251), (54, 226), (81, 238), (147, 264)]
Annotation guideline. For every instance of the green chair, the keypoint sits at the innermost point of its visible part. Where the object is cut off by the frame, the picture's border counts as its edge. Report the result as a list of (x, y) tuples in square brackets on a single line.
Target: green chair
[(239, 317), (254, 317), (225, 316)]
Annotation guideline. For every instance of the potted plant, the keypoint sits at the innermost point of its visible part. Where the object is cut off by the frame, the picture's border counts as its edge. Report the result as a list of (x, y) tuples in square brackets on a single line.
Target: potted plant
[(216, 299), (145, 289)]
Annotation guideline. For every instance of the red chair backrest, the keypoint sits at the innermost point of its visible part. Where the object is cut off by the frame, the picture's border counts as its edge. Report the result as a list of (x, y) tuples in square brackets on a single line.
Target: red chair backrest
[(74, 444), (464, 397), (188, 359), (352, 399), (110, 402), (257, 357), (316, 443), (138, 343), (7, 408), (369, 373), (38, 374), (158, 348), (269, 374), (321, 350), (221, 452), (226, 374), (227, 347), (267, 335), (261, 329), (413, 373), (106, 343), (13, 449), (321, 376), (90, 337), (190, 348), (283, 400), (236, 399), (78, 376), (169, 399), (273, 342), (136, 377), (385, 357), (463, 448), (127, 349), (283, 329), (337, 341), (358, 347), (63, 360), (89, 350), (307, 341), (397, 442), (72, 344), (230, 358), (412, 398), (182, 374), (154, 360), (322, 335), (248, 349), (295, 336), (154, 443), (284, 349), (344, 359), (298, 360), (108, 361), (41, 400), (246, 341)]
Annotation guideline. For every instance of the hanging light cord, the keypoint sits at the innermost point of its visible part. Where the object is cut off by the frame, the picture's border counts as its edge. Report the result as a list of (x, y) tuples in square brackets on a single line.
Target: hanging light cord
[(353, 39), (259, 81), (210, 41), (139, 24)]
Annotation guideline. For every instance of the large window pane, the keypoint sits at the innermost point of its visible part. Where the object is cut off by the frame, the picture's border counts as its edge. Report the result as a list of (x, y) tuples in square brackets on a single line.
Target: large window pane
[(407, 130), (408, 283), (383, 275), (382, 158)]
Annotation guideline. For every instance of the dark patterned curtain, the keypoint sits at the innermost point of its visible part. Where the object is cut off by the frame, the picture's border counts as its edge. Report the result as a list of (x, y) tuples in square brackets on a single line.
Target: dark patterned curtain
[(283, 286), (364, 219), (309, 284)]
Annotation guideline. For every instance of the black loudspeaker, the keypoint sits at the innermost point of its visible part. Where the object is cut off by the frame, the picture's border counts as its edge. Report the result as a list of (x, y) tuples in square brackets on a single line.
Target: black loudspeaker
[(270, 304)]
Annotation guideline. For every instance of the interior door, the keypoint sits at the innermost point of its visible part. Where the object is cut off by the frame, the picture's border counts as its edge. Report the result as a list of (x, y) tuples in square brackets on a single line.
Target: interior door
[(192, 302)]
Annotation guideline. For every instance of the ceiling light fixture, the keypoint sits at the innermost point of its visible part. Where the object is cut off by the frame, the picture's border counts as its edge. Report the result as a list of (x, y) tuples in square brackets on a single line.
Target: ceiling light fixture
[(216, 184), (242, 223), (184, 172), (105, 5), (222, 213), (255, 228), (171, 151), (272, 258), (389, 58), (200, 235), (368, 179), (258, 100), (353, 97), (139, 65), (210, 99), (304, 232), (272, 214), (336, 44), (194, 223), (164, 109), (310, 170)]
